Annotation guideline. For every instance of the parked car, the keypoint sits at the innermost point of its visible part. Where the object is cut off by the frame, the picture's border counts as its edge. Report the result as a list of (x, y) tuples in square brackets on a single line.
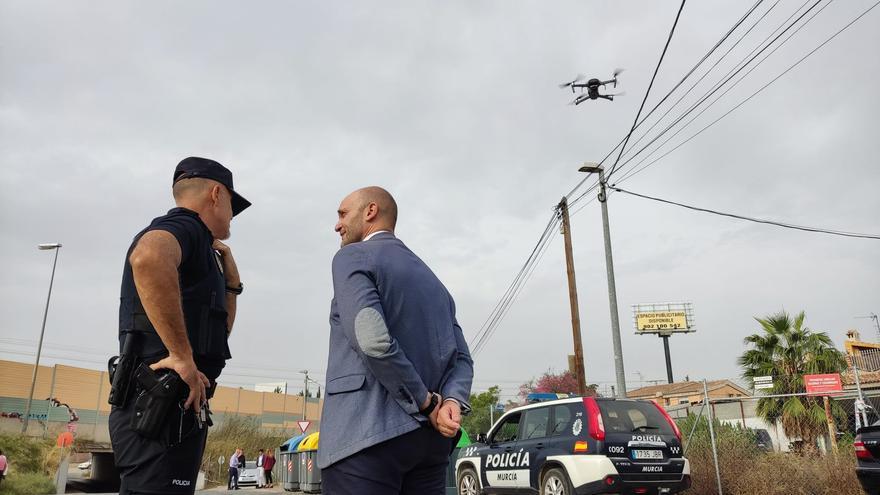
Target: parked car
[(577, 446), (248, 474), (867, 444)]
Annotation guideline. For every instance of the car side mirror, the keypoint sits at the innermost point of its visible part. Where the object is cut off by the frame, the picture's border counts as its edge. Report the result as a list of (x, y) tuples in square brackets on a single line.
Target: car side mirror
[(481, 438)]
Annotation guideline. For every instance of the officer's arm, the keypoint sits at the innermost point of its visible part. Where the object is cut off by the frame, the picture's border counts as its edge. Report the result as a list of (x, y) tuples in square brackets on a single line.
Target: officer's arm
[(154, 263), (363, 321), (457, 385)]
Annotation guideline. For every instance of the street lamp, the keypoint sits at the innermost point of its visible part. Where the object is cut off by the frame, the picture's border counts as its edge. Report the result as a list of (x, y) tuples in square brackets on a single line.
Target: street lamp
[(27, 413), (595, 168)]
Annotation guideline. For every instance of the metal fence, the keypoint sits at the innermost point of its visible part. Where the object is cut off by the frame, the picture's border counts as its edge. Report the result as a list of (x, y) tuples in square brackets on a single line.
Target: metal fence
[(733, 449)]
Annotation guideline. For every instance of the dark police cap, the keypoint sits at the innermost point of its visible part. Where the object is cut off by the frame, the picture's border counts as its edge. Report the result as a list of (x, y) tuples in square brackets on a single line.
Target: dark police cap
[(204, 168)]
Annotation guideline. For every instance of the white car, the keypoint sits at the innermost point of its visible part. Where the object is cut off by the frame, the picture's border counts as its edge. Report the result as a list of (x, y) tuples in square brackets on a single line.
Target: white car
[(248, 474), (577, 446)]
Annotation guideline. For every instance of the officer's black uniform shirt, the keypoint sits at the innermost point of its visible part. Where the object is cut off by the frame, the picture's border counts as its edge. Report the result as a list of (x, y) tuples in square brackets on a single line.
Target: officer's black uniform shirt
[(203, 295)]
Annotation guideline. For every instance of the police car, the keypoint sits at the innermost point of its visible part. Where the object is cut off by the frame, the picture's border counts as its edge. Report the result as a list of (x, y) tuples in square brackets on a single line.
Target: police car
[(577, 446)]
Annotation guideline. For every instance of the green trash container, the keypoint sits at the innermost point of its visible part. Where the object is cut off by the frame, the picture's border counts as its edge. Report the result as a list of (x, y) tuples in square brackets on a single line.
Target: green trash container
[(309, 472), (464, 441)]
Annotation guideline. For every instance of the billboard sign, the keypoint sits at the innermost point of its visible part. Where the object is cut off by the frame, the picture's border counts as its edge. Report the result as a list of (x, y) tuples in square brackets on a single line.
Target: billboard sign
[(824, 384), (663, 318)]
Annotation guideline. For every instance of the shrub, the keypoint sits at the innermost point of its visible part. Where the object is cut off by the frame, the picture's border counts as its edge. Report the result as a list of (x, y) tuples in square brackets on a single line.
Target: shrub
[(27, 483), (32, 464)]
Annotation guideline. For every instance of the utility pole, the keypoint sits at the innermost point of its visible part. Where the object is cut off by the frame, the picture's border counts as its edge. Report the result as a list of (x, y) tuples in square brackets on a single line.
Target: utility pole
[(305, 391), (873, 316), (612, 288), (562, 208)]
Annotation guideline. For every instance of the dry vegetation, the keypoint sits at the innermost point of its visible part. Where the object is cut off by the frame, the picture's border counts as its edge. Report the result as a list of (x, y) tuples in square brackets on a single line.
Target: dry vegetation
[(748, 470)]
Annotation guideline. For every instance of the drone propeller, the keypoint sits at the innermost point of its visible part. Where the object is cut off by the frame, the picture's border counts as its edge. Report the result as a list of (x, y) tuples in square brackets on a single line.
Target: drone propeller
[(579, 78), (622, 93), (617, 72)]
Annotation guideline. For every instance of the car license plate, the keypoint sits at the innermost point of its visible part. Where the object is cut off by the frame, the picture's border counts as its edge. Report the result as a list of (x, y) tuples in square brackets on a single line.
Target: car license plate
[(647, 454)]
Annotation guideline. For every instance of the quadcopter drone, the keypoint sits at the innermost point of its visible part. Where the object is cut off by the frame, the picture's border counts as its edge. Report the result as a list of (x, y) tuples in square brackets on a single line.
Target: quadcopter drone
[(592, 88)]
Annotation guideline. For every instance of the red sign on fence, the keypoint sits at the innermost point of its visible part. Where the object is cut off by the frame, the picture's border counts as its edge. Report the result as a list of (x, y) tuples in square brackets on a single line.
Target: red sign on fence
[(823, 384)]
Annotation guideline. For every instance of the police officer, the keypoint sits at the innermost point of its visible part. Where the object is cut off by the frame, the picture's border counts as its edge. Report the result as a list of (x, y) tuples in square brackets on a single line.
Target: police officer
[(179, 290)]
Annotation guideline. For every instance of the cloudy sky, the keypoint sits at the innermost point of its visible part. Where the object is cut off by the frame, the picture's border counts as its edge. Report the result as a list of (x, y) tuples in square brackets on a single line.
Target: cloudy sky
[(454, 107)]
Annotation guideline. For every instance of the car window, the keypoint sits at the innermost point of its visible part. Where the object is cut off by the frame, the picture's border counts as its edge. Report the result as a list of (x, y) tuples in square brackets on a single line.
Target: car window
[(250, 464), (632, 416), (536, 423), (561, 420), (508, 430)]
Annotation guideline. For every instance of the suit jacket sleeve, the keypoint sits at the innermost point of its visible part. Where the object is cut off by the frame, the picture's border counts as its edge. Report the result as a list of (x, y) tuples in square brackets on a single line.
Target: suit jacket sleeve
[(363, 321), (457, 382)]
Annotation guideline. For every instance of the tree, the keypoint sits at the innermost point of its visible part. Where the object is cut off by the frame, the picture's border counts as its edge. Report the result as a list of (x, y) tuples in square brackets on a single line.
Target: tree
[(786, 350), (478, 421), (561, 383)]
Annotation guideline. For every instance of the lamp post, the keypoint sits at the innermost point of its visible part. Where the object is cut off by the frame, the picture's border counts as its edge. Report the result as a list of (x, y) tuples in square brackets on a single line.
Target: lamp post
[(27, 412), (592, 168)]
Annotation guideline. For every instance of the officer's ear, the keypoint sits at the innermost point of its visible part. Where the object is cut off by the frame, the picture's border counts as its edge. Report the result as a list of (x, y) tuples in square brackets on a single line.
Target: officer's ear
[(216, 194)]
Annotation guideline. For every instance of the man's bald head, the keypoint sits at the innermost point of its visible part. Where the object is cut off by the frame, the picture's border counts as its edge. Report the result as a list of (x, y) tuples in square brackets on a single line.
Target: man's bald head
[(384, 200), (364, 211)]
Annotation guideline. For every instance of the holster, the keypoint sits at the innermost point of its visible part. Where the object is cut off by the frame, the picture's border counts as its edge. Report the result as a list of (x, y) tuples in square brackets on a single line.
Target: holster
[(159, 392), (120, 369)]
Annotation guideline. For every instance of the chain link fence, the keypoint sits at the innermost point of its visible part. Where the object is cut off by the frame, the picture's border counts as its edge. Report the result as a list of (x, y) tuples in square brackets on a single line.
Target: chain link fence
[(732, 449)]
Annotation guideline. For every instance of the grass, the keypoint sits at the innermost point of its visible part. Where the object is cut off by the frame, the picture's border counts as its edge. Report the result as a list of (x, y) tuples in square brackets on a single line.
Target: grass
[(236, 432), (32, 465)]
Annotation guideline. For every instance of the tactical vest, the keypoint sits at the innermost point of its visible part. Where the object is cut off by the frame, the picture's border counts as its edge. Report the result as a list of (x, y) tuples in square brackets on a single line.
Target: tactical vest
[(203, 298)]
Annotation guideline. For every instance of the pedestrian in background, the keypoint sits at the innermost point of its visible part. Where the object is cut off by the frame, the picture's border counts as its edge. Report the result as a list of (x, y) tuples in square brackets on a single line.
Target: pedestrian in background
[(268, 464), (4, 464), (399, 370), (261, 476), (233, 470)]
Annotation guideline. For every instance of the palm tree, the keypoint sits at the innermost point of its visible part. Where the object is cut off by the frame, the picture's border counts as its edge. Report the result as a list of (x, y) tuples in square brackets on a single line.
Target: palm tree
[(787, 350)]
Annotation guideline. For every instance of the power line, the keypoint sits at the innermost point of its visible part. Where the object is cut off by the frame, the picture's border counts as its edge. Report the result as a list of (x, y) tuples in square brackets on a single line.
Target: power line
[(487, 329), (717, 62), (710, 105), (762, 88), (648, 91), (723, 83), (751, 219), (677, 85)]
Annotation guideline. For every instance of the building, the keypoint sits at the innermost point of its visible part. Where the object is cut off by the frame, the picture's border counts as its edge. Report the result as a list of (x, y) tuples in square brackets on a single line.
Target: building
[(673, 394), (864, 355)]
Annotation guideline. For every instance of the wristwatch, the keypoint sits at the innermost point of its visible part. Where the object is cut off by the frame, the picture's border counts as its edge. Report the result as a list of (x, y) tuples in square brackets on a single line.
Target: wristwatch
[(435, 401), (235, 290)]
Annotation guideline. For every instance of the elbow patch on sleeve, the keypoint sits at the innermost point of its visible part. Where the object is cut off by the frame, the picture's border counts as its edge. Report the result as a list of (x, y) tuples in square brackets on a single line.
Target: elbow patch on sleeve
[(372, 333)]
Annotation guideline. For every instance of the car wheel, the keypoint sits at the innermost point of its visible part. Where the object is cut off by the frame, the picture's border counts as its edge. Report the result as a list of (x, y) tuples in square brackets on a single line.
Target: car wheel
[(468, 483), (555, 482)]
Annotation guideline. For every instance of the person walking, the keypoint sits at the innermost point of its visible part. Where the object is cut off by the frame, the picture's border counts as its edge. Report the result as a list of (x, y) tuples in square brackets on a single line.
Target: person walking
[(399, 370), (180, 285)]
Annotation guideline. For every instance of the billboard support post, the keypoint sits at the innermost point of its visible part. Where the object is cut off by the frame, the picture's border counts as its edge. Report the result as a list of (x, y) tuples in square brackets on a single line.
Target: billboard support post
[(668, 359)]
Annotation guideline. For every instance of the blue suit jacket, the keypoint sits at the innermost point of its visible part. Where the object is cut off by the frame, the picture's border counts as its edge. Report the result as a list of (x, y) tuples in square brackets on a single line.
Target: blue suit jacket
[(393, 338)]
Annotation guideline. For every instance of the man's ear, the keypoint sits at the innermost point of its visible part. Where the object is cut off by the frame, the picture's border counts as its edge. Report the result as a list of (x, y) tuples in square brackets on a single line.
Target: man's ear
[(216, 193), (371, 212)]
